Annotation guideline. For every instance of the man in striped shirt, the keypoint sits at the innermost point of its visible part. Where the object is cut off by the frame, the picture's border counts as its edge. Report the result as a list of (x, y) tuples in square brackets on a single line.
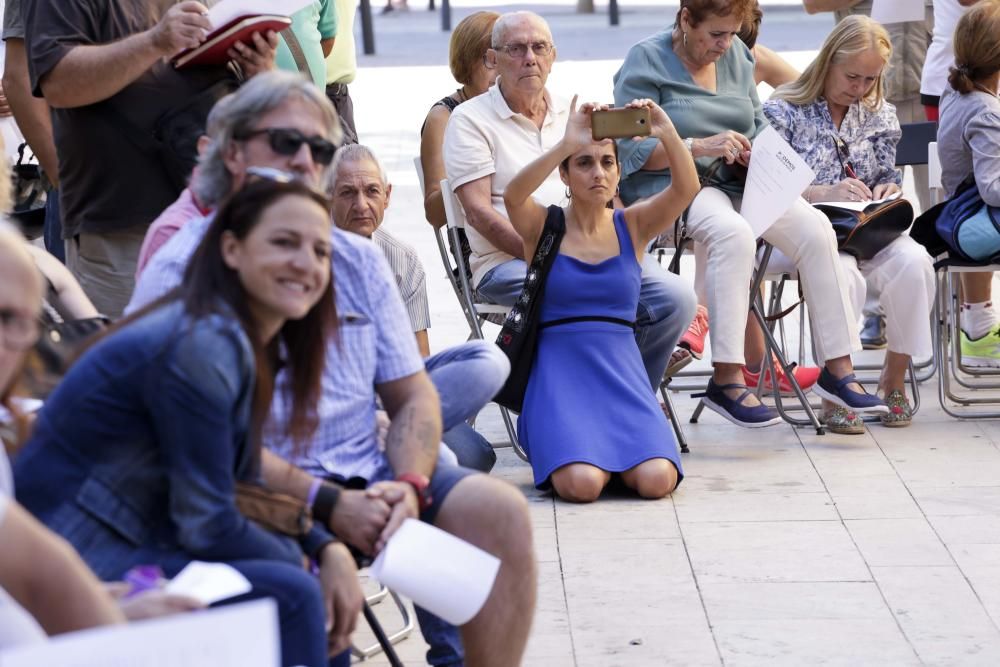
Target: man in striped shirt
[(360, 191)]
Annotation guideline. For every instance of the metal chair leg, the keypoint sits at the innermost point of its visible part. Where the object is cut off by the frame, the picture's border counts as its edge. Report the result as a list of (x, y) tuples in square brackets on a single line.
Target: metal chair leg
[(384, 642), (508, 423), (672, 415)]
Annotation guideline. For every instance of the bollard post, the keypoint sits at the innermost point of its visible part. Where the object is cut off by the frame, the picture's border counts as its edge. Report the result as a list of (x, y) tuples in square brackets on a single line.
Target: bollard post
[(613, 11), (367, 29), (446, 15)]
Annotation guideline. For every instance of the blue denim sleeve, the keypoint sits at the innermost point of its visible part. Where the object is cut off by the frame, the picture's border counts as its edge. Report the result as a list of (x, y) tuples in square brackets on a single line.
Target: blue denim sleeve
[(199, 404)]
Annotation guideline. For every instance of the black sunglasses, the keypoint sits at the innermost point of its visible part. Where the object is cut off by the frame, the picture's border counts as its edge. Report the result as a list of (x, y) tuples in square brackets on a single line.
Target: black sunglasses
[(286, 141), (844, 153)]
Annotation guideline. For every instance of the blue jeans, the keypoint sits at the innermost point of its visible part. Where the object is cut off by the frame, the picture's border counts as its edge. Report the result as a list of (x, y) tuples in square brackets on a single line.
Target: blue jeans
[(666, 307), (301, 617), (467, 377), (52, 229)]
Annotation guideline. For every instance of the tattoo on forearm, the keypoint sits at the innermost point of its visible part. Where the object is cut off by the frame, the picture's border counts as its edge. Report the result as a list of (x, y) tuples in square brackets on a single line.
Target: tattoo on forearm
[(408, 426)]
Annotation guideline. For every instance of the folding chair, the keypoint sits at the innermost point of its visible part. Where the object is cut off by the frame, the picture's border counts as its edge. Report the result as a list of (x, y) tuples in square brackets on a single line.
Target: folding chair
[(774, 352), (450, 270), (681, 243), (383, 642), (476, 312), (953, 375)]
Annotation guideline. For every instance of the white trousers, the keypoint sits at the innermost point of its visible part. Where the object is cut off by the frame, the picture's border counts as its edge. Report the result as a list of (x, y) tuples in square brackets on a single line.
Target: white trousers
[(903, 275), (728, 246)]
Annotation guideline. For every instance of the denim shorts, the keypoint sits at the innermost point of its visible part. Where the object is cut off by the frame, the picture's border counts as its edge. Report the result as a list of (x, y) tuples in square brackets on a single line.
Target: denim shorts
[(443, 480)]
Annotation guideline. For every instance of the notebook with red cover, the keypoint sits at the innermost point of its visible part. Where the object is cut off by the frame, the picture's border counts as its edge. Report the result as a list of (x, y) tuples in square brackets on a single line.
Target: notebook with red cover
[(215, 49)]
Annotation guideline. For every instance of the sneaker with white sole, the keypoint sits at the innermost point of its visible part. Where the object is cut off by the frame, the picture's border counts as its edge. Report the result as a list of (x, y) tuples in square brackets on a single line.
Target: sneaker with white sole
[(982, 352)]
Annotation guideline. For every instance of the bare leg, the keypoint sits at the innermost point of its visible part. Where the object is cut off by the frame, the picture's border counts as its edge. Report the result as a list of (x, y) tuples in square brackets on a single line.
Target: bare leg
[(733, 374), (493, 515), (977, 287), (753, 345), (579, 482), (842, 366), (894, 372), (654, 478)]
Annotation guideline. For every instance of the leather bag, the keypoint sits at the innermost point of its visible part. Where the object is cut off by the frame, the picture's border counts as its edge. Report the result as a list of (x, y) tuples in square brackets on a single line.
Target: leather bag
[(274, 511), (864, 233), (519, 335)]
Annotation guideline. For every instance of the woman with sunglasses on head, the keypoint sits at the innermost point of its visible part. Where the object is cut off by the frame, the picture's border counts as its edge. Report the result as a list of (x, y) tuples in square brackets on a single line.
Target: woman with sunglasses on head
[(836, 118), (135, 457), (586, 415), (703, 77)]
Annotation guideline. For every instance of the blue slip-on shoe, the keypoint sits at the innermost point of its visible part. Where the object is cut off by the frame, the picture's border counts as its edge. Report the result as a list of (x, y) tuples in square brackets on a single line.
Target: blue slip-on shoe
[(836, 391), (748, 416)]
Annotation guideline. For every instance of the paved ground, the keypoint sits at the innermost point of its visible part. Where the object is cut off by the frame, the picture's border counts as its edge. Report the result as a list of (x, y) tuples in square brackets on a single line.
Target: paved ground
[(780, 547)]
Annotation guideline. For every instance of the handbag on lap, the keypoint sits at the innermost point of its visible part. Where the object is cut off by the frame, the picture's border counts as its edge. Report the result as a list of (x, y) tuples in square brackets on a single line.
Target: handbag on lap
[(865, 233), (519, 336)]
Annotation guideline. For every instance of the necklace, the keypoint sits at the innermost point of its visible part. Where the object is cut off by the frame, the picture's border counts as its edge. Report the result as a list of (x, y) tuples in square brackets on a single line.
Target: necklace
[(462, 97), (984, 89)]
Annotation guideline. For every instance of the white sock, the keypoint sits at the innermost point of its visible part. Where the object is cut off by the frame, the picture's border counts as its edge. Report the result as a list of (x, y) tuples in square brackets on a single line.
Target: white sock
[(978, 319)]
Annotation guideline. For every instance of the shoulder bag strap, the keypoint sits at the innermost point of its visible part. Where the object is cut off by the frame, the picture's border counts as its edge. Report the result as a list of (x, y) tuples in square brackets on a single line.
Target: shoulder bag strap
[(292, 42)]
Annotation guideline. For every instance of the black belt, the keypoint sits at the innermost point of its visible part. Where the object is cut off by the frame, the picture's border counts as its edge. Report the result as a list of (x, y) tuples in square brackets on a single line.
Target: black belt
[(587, 318)]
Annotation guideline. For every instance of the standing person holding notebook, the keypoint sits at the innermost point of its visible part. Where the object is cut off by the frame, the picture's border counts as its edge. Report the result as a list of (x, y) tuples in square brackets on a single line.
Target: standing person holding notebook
[(112, 90)]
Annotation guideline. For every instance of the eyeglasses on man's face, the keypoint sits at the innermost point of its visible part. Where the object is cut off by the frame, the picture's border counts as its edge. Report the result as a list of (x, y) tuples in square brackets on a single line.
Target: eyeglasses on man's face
[(18, 330), (288, 141), (519, 50)]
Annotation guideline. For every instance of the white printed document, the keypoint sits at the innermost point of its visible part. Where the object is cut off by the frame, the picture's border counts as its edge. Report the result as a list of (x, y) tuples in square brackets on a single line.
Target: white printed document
[(897, 11), (209, 582), (775, 179), (443, 574), (243, 635)]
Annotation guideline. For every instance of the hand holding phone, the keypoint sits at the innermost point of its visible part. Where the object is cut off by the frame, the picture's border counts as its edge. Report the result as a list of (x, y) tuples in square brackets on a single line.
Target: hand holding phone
[(620, 123)]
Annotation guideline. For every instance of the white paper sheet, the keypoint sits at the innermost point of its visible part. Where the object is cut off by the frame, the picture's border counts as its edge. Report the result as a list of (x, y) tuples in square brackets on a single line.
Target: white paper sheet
[(857, 205), (897, 11), (243, 635), (227, 10), (441, 573), (775, 179), (209, 582)]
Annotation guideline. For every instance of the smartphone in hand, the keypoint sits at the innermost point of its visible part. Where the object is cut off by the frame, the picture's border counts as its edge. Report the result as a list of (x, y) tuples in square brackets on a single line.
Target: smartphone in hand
[(619, 123)]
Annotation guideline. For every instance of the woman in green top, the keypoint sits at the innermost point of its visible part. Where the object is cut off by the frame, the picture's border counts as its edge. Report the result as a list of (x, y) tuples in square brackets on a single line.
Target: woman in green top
[(704, 79)]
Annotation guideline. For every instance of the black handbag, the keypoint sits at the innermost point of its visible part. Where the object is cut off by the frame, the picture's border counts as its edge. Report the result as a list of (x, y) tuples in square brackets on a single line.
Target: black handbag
[(519, 335), (864, 233), (58, 346)]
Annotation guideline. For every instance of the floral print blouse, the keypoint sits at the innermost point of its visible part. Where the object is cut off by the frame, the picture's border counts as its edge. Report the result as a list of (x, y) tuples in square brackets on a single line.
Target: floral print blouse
[(867, 138)]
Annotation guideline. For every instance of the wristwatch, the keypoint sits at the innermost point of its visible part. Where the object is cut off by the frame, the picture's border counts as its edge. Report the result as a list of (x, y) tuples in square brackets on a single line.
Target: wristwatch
[(419, 483), (689, 144)]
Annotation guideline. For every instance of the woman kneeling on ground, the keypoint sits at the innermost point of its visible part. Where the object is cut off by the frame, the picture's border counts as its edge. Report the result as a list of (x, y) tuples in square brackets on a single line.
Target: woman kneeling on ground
[(588, 412)]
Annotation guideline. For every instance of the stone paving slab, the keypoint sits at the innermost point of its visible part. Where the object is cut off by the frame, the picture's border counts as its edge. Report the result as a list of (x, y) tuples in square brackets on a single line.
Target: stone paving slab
[(781, 547)]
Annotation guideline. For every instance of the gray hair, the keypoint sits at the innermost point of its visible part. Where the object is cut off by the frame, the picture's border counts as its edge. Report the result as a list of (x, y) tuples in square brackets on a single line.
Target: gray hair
[(507, 20), (353, 153), (236, 114)]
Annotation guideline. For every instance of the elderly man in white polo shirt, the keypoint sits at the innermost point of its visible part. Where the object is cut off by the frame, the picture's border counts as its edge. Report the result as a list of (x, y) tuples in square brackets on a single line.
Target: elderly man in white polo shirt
[(491, 137)]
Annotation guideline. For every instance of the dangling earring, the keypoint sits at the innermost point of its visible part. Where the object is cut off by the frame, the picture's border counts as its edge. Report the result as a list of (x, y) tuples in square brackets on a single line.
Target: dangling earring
[(684, 38), (569, 195)]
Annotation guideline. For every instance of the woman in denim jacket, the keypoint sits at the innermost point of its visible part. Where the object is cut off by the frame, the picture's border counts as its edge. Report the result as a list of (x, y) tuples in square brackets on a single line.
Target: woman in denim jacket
[(135, 456)]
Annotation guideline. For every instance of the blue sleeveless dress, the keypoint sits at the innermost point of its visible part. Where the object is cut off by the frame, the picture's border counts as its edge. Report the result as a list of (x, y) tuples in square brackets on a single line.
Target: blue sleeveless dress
[(588, 398)]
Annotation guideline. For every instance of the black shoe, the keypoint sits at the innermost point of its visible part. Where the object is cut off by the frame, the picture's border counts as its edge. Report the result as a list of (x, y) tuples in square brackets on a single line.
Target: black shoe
[(873, 333)]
